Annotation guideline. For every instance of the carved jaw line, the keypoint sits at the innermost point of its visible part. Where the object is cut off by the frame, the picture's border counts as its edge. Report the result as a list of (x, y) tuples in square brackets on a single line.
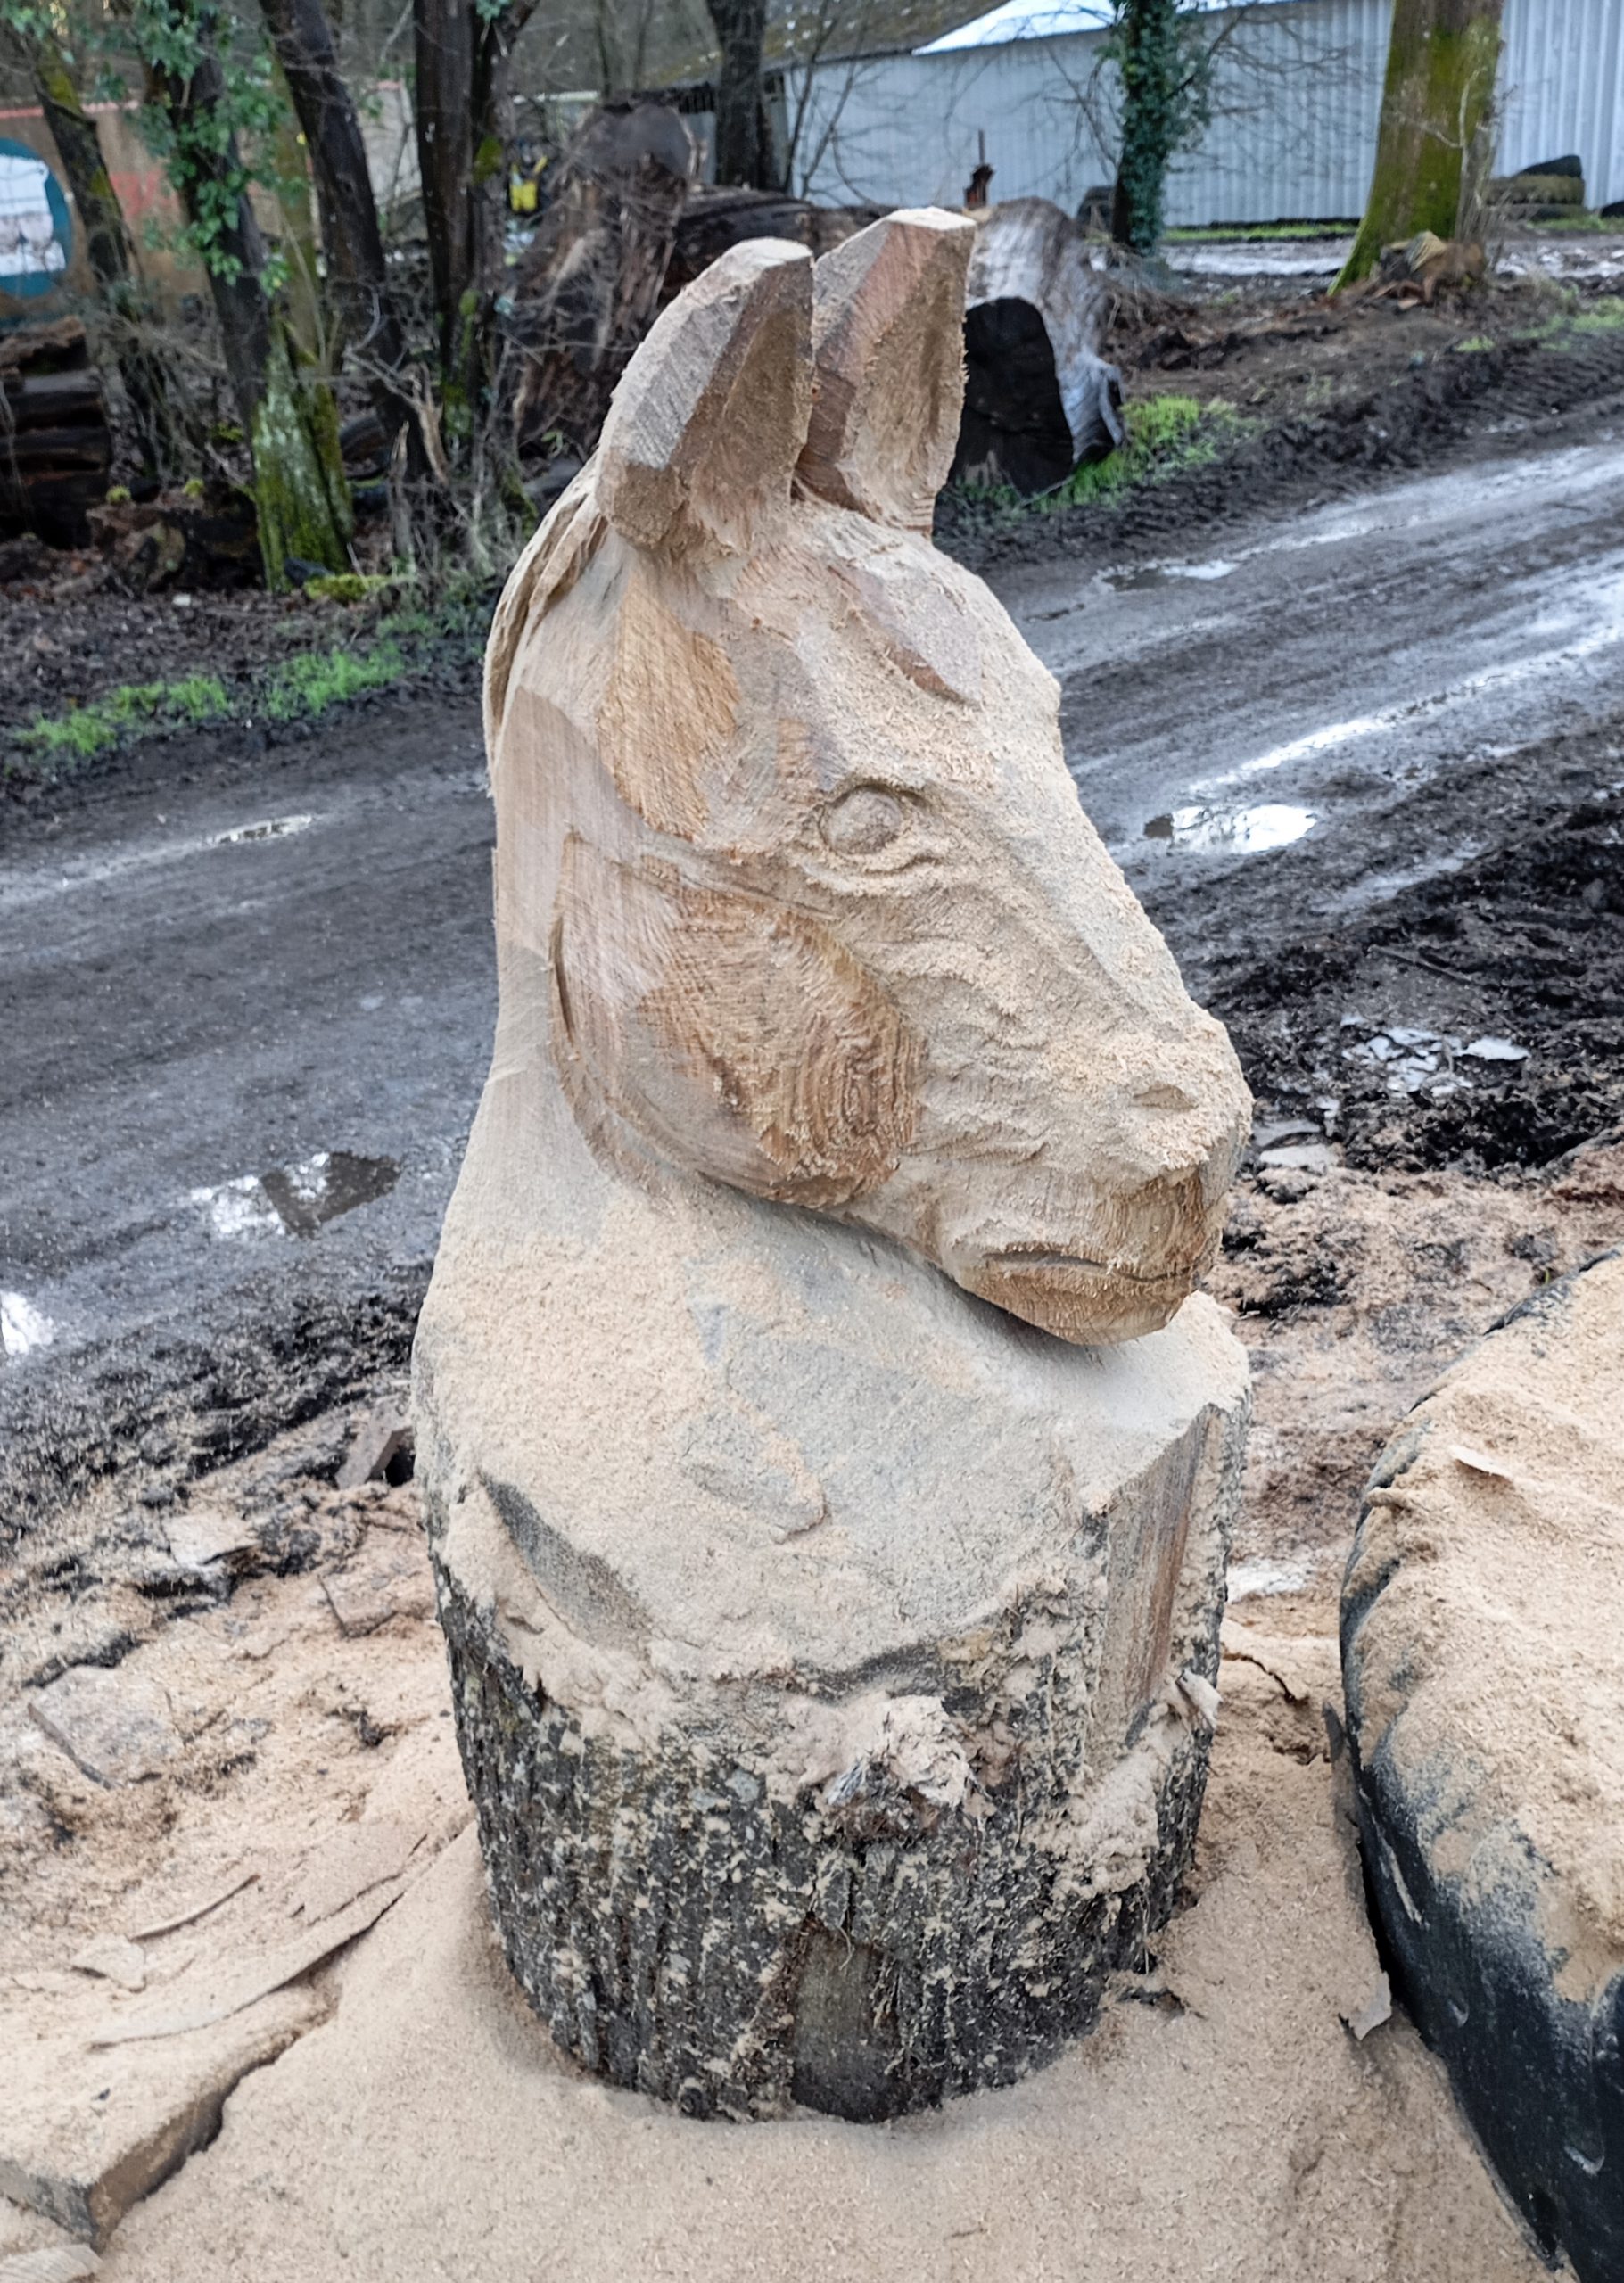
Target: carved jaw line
[(1090, 1303)]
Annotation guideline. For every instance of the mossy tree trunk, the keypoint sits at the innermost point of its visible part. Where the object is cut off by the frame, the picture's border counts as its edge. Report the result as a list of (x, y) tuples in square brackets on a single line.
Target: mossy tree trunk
[(160, 428), (301, 499), (1437, 113)]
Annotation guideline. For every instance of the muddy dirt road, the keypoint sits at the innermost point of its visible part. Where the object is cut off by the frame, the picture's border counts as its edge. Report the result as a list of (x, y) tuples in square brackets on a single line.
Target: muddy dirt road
[(249, 1012)]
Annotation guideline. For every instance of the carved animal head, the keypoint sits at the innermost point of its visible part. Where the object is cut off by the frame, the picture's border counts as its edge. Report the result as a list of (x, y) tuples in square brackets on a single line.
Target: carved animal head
[(789, 861)]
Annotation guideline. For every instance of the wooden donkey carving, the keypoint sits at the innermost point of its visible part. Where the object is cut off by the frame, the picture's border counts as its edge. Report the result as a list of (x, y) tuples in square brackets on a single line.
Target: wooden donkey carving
[(816, 982)]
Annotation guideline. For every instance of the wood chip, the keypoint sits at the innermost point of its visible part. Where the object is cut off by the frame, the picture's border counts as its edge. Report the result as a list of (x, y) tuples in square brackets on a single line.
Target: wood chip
[(189, 1913), (217, 1990), (117, 1725), (1479, 1462), (114, 1960), (57, 2263)]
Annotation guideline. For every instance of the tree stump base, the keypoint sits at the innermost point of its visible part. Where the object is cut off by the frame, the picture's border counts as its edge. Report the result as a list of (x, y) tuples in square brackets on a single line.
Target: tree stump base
[(861, 1890)]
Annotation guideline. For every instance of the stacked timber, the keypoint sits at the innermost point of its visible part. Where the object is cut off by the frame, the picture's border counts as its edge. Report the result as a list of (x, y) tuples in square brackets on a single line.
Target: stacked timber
[(55, 443)]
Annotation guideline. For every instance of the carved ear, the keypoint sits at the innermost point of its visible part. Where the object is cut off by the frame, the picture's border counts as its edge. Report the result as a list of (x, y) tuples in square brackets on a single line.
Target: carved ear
[(888, 342), (737, 1038), (703, 433)]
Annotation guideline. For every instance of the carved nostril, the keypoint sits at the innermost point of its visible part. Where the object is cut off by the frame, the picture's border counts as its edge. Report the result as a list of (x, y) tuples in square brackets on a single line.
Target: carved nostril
[(1163, 1098)]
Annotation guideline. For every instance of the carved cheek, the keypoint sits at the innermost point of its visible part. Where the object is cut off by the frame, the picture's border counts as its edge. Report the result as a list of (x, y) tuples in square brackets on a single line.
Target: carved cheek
[(738, 1037)]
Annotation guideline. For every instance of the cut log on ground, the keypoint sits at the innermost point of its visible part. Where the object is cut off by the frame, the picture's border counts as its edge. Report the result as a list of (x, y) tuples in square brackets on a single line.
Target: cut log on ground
[(715, 219), (179, 540), (587, 291), (55, 443), (828, 1473), (1039, 399), (1483, 1658)]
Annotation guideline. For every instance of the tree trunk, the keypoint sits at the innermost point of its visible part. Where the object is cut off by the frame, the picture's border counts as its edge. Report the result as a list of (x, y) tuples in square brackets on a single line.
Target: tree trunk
[(744, 149), (443, 33), (1437, 108), (160, 431), (351, 241), (300, 496), (461, 101), (1152, 59)]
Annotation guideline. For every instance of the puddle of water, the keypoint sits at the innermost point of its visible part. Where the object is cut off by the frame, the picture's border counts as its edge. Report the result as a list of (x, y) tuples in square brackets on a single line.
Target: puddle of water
[(238, 1209), (330, 1182), (1270, 824), (1161, 574), (267, 829), (22, 1327), (296, 1200), (1605, 606)]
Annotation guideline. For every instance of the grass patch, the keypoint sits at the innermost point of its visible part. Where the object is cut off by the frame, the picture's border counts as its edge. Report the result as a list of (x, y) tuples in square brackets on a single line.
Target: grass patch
[(302, 687), (1588, 321), (1167, 436), (132, 710), (1257, 233), (444, 640)]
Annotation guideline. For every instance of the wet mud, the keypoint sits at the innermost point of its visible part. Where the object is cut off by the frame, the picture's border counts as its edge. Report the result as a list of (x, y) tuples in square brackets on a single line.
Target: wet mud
[(1472, 1018)]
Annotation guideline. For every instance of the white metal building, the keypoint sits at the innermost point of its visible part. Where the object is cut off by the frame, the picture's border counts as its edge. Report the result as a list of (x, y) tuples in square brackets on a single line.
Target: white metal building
[(1297, 95)]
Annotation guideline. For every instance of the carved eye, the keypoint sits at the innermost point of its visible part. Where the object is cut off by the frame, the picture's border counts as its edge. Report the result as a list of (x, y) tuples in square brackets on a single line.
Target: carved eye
[(863, 821)]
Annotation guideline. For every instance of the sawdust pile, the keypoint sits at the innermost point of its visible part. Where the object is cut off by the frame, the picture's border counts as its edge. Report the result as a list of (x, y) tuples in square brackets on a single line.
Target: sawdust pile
[(403, 2117), (1228, 2124)]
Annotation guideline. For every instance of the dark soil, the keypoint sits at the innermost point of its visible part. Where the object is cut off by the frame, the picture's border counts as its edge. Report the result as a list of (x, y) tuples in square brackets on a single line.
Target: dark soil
[(1331, 397), (1515, 933)]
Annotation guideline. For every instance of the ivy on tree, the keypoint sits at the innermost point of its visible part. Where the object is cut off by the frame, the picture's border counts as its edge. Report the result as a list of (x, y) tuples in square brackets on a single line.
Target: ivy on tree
[(197, 110), (1164, 65)]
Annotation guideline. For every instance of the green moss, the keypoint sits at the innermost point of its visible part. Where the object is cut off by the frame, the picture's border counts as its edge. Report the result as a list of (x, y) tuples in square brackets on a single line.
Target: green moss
[(1478, 345), (301, 495)]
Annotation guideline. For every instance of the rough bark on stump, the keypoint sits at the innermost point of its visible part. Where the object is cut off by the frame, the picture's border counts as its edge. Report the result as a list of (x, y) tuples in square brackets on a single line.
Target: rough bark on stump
[(863, 1976), (585, 291), (684, 1930)]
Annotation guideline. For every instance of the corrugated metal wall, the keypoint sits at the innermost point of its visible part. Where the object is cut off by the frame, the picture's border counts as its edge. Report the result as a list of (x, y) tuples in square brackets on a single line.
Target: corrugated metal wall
[(1297, 96), (1562, 88)]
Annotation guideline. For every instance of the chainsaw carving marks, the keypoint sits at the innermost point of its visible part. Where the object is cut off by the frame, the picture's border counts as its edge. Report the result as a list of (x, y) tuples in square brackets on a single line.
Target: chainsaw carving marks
[(785, 829)]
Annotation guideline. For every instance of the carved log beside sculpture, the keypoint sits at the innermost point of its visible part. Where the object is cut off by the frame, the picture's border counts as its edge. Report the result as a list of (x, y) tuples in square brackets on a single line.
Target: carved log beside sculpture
[(829, 1470)]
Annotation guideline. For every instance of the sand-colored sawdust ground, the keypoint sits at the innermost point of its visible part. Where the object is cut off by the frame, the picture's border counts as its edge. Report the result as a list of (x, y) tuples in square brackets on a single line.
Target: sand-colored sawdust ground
[(1225, 2121)]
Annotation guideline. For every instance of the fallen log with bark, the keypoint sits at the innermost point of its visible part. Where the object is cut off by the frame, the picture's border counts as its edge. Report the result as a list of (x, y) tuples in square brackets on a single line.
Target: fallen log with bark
[(1039, 399), (716, 218), (56, 442)]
